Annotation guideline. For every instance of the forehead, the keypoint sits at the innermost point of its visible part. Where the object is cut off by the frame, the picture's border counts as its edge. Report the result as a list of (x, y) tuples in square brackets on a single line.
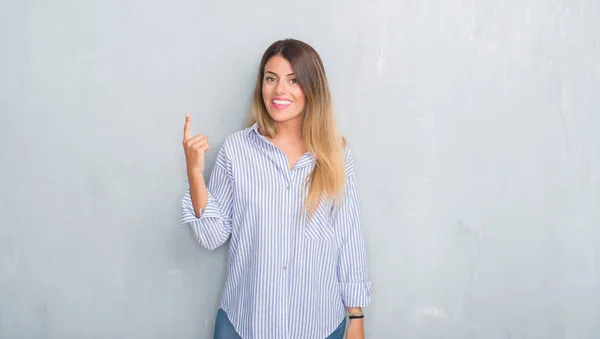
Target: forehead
[(279, 65)]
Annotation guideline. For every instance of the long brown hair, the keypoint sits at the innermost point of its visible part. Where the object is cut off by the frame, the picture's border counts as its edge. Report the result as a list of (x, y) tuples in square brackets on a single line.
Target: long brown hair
[(319, 129)]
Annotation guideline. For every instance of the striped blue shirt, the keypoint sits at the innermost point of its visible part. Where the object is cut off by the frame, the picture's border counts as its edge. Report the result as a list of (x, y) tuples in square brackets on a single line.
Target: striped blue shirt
[(287, 277)]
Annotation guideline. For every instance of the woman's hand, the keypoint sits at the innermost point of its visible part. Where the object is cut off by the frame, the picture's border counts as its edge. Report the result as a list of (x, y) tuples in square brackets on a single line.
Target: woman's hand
[(194, 147)]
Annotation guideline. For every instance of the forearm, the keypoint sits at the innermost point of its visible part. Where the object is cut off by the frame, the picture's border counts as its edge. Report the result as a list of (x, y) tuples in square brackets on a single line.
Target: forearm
[(198, 192), (356, 325), (207, 205)]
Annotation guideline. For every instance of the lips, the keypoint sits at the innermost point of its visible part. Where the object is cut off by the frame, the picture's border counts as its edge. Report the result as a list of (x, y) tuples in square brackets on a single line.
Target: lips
[(281, 103)]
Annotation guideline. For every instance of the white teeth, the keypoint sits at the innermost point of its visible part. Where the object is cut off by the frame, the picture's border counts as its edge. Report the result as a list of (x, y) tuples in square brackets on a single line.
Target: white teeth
[(281, 102)]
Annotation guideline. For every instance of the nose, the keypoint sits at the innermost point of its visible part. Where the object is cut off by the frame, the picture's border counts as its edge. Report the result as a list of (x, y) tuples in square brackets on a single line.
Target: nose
[(281, 87)]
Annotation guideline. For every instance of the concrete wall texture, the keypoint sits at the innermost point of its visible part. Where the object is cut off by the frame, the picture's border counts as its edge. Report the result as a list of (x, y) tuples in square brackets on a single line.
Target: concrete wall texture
[(474, 125)]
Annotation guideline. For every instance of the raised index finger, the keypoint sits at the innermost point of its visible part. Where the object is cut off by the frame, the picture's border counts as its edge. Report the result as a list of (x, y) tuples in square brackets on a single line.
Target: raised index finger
[(186, 127)]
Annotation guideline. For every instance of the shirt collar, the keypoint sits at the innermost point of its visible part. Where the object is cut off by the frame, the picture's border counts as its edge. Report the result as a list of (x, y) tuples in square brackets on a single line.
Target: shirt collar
[(305, 160), (253, 128)]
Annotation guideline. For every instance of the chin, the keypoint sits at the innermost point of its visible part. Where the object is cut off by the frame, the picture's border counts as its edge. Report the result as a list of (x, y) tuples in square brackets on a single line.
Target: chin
[(284, 116)]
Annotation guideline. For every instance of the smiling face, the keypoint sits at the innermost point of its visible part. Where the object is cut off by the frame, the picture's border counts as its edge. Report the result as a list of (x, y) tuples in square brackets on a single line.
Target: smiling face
[(282, 94)]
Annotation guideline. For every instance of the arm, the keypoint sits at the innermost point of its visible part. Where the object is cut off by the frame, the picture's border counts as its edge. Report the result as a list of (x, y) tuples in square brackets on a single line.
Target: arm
[(352, 266), (356, 329), (208, 209), (198, 192)]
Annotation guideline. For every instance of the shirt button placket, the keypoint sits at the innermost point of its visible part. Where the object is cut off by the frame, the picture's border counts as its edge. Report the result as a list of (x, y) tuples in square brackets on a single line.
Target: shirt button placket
[(284, 299)]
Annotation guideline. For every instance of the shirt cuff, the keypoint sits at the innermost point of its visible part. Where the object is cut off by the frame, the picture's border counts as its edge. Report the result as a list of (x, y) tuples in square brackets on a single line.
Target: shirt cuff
[(210, 211), (357, 294)]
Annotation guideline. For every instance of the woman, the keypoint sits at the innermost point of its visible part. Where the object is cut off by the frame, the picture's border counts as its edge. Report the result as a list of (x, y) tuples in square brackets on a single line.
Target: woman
[(284, 190)]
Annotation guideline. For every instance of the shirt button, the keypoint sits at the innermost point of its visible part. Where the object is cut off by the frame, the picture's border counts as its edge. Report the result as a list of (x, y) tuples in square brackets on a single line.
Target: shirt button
[(287, 187), (285, 267)]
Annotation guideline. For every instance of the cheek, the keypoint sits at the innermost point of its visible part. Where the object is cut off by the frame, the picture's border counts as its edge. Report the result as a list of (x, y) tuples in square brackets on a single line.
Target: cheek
[(266, 94), (300, 97)]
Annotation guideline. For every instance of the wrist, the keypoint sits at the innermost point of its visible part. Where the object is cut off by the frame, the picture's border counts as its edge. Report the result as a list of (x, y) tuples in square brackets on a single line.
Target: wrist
[(355, 314), (195, 174)]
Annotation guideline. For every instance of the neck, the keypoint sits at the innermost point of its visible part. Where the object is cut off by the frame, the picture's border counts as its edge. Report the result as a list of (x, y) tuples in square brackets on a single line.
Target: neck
[(289, 131)]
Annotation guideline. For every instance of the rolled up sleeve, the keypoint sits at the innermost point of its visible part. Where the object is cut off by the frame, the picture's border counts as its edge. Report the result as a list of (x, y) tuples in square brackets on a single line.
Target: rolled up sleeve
[(352, 264)]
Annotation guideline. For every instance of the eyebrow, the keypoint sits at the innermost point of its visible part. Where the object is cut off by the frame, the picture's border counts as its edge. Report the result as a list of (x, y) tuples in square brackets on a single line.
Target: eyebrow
[(278, 74)]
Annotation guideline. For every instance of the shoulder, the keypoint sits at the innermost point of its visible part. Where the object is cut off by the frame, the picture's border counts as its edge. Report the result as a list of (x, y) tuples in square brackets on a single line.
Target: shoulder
[(236, 142)]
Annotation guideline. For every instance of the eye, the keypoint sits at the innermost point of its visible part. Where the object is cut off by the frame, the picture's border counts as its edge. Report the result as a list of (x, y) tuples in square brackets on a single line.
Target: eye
[(270, 79), (294, 81)]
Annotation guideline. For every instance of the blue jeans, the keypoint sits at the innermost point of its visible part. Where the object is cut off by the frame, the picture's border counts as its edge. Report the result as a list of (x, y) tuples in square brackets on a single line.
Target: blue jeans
[(224, 329)]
